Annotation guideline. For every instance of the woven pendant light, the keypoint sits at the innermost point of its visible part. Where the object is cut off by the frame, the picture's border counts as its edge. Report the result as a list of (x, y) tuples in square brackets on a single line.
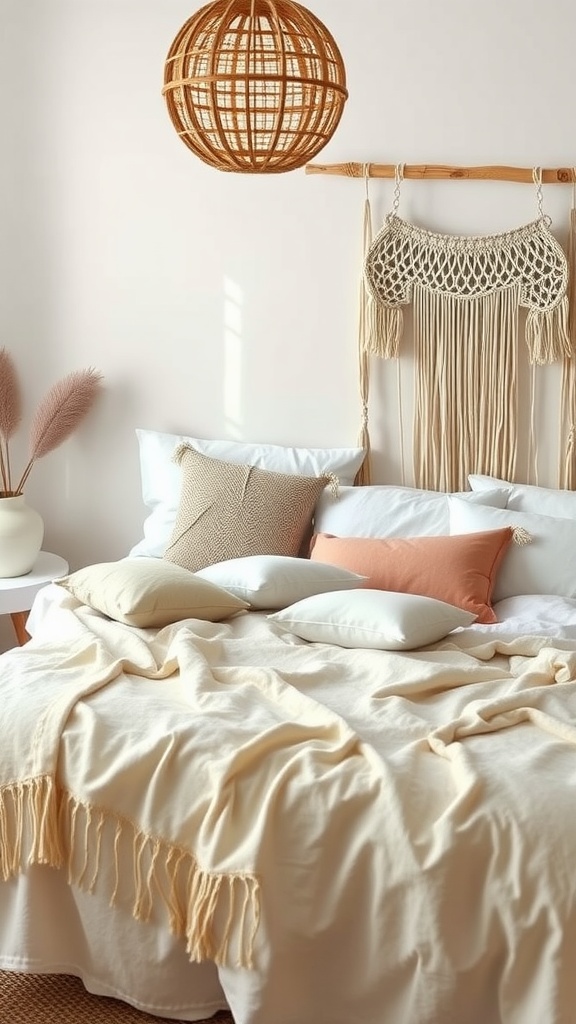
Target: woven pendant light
[(255, 85)]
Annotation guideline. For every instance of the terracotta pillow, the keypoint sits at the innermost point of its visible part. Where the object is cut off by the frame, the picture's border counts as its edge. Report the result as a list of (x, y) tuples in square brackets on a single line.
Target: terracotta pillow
[(232, 511), (459, 569)]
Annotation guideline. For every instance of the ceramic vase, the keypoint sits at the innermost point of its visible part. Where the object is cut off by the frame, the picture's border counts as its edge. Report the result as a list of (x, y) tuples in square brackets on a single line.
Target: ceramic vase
[(21, 536)]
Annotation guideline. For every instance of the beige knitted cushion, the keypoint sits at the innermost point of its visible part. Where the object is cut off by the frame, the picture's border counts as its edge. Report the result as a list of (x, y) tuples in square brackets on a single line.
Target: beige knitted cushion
[(230, 511)]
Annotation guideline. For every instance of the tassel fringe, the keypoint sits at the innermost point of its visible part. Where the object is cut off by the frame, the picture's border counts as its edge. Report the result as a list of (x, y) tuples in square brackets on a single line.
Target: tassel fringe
[(334, 484), (521, 536), (547, 334), (384, 327), (217, 914), (364, 475)]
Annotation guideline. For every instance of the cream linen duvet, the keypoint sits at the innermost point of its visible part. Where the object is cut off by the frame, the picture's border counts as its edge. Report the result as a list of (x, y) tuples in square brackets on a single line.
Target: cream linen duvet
[(352, 836)]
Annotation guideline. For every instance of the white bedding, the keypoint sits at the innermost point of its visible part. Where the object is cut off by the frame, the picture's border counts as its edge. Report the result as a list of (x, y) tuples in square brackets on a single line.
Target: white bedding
[(415, 852)]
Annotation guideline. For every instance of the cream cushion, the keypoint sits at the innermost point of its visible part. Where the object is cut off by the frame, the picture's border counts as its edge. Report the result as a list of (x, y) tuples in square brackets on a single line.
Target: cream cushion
[(275, 581), (375, 619), (149, 592)]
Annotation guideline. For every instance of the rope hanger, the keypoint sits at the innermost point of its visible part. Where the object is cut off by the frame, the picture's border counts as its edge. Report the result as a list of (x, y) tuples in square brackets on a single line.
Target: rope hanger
[(445, 172)]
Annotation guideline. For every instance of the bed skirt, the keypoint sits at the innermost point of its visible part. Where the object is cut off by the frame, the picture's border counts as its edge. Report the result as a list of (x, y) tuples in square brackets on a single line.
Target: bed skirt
[(49, 927)]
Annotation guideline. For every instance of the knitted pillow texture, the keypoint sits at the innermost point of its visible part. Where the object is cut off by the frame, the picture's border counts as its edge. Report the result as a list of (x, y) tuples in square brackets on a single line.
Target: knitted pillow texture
[(231, 511)]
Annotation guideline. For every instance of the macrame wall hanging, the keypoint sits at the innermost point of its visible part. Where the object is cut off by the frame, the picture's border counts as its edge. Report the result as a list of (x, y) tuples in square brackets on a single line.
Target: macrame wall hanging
[(466, 293)]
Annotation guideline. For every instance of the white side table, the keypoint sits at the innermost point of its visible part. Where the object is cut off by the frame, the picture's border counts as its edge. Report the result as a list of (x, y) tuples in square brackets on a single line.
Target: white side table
[(18, 592)]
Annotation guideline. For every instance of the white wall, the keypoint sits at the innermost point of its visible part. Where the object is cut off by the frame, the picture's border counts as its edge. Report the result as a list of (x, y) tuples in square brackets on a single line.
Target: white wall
[(222, 304)]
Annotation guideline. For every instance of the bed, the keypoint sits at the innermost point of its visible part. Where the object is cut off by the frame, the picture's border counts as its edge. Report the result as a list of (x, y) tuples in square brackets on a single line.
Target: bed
[(337, 787)]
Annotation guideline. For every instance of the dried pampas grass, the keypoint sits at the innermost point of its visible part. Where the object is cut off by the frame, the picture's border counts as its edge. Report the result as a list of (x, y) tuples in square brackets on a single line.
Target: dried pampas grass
[(10, 411), (59, 414)]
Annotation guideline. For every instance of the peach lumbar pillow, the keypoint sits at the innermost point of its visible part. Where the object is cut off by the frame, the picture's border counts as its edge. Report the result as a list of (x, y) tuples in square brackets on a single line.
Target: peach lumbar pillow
[(459, 569)]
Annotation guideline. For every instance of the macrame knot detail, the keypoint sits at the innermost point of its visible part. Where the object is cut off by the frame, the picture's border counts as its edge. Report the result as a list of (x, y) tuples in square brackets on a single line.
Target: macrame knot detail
[(404, 258)]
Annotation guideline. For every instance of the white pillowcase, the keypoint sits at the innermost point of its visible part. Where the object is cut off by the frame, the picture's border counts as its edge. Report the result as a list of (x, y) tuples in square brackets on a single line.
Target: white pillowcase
[(530, 497), (545, 565), (385, 510), (275, 581), (534, 615), (160, 477), (373, 619)]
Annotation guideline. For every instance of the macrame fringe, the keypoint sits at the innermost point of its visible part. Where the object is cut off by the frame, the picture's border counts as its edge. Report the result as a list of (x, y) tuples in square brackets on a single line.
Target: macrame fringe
[(465, 405), (547, 334), (568, 469), (567, 440), (532, 451), (385, 326), (572, 280), (364, 474), (40, 824)]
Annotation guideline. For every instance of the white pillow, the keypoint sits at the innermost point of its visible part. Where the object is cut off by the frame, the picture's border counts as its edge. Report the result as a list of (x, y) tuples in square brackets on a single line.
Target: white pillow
[(546, 501), (385, 510), (481, 482), (544, 565), (160, 477), (275, 581), (147, 592), (534, 615), (374, 619)]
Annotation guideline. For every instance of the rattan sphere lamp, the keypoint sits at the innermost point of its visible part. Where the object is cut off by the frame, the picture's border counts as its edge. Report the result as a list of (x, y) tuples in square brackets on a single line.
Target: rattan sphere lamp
[(257, 86)]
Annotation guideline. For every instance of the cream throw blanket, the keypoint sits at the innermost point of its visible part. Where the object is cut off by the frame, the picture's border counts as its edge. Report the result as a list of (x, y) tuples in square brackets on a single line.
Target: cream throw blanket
[(268, 794), (174, 785)]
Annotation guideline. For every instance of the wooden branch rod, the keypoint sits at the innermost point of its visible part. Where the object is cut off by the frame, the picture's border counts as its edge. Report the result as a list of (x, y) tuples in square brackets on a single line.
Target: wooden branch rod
[(550, 175)]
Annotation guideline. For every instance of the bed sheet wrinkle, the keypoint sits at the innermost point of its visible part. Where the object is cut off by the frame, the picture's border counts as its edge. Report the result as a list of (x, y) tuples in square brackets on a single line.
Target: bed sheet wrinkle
[(516, 708)]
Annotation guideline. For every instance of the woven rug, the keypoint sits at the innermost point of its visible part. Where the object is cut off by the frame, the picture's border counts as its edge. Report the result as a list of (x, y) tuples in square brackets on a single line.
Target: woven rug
[(61, 999)]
